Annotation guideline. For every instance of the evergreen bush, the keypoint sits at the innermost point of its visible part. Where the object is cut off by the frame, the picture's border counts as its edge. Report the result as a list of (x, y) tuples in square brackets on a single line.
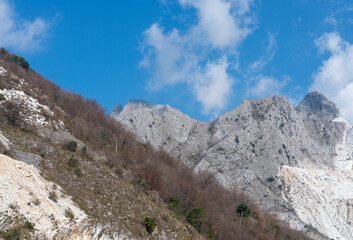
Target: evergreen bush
[(196, 218), (150, 224)]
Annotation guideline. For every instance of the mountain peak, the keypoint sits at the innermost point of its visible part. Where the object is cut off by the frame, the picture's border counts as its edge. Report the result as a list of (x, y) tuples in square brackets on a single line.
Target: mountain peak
[(316, 103), (119, 112), (140, 102), (117, 109)]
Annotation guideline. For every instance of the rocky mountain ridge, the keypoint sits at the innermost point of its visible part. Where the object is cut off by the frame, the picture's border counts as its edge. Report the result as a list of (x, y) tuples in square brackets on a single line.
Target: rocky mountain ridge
[(252, 145)]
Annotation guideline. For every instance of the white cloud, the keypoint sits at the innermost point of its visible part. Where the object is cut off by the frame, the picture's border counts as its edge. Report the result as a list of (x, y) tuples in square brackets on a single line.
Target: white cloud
[(260, 86), (166, 54), (334, 78), (330, 42), (344, 100), (266, 86), (19, 34), (336, 17), (217, 26), (331, 20), (258, 65), (198, 55), (213, 87)]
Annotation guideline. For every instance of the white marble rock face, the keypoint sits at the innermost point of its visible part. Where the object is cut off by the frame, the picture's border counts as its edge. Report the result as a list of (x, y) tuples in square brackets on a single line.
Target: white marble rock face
[(260, 147), (25, 194)]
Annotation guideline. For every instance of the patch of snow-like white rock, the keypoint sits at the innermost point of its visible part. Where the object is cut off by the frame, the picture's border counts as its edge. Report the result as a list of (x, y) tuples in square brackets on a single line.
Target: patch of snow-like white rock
[(30, 103), (2, 71), (25, 194), (323, 199), (4, 141), (96, 232), (34, 111), (160, 125), (344, 159)]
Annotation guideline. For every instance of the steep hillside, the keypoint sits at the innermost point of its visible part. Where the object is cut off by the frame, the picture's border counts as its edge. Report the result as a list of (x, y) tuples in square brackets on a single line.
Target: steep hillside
[(114, 208), (121, 186), (249, 146), (66, 191)]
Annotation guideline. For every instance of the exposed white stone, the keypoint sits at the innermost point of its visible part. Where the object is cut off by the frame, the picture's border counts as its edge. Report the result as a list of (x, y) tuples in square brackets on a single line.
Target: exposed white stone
[(21, 185), (13, 76), (340, 119), (24, 194), (323, 199), (4, 141), (2, 71), (161, 125), (34, 110)]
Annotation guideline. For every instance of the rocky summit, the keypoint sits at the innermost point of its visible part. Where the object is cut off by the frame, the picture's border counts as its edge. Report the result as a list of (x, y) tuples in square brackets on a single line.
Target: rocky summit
[(293, 162)]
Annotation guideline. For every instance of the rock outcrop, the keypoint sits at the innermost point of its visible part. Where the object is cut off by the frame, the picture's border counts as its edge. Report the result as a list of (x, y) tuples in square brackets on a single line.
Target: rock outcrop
[(30, 109), (321, 198), (4, 143), (119, 112), (24, 194)]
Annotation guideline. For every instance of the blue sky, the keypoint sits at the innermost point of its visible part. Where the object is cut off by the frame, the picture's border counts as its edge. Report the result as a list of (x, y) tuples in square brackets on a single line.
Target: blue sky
[(203, 57)]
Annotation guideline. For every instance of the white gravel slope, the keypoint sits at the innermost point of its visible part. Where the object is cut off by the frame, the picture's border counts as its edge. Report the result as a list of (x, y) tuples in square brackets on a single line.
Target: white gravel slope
[(20, 186)]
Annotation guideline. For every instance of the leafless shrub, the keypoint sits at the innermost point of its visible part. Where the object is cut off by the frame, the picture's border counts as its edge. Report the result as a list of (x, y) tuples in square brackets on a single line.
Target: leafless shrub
[(13, 112)]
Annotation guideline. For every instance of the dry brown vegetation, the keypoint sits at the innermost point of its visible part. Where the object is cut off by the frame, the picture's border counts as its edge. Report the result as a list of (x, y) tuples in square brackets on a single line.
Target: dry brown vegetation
[(11, 111), (87, 121)]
